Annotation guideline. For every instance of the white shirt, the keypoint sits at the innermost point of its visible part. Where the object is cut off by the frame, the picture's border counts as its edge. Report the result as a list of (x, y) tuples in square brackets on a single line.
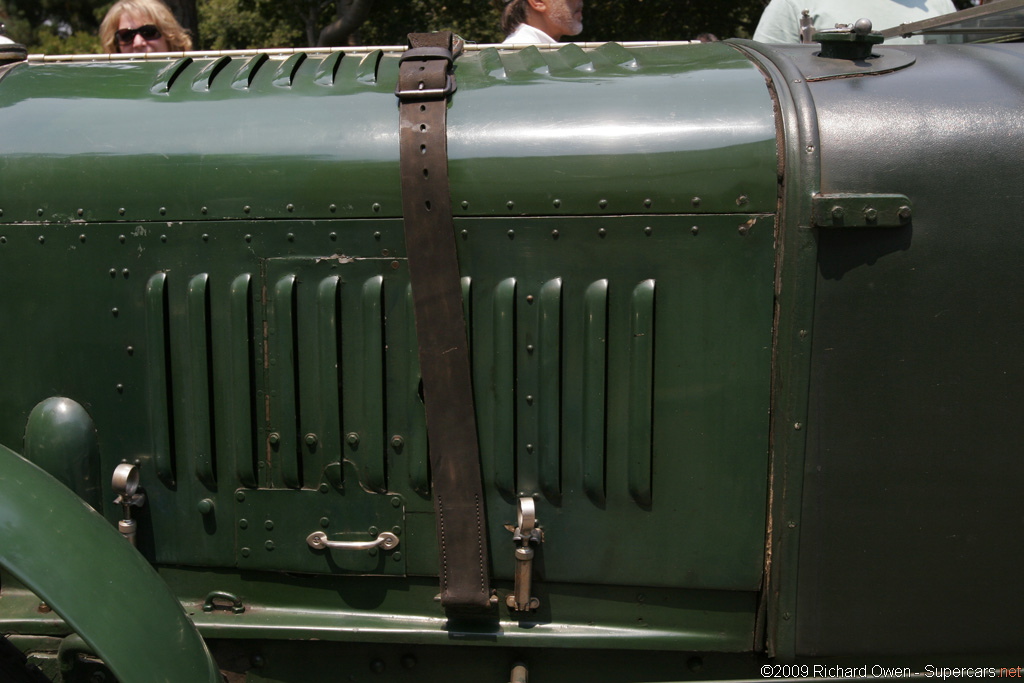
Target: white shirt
[(780, 22), (528, 35)]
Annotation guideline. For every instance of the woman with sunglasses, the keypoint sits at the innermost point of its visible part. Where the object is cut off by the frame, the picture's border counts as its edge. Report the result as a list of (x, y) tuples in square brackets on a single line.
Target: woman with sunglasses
[(142, 26)]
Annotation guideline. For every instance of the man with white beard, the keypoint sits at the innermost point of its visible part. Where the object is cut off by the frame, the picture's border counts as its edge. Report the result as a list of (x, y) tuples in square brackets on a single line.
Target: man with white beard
[(541, 22)]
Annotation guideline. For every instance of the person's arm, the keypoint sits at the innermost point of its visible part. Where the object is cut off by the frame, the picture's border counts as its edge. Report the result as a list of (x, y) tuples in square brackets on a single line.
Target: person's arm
[(780, 23)]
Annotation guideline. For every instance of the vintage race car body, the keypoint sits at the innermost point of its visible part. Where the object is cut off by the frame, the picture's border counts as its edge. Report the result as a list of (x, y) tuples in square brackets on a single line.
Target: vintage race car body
[(744, 324)]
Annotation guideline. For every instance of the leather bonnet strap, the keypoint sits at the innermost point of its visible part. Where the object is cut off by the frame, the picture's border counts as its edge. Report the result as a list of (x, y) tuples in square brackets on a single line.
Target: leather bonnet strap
[(425, 81)]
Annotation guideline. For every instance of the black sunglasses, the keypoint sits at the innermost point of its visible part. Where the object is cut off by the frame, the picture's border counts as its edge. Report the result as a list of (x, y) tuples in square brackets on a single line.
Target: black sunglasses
[(127, 35)]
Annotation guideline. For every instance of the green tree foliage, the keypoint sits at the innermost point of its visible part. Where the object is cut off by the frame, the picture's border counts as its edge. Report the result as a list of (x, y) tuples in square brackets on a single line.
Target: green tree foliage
[(54, 26), (65, 26), (245, 24), (477, 20)]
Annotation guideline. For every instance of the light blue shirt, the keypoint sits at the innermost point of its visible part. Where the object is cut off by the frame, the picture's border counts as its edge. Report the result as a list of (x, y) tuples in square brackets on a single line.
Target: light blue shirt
[(780, 22)]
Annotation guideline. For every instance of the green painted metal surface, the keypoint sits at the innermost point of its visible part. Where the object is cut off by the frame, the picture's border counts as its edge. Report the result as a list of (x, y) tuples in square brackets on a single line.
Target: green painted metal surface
[(224, 275), (100, 585), (607, 131)]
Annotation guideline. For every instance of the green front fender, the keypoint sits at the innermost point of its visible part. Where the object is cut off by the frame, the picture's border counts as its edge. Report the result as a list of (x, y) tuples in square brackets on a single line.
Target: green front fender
[(95, 580)]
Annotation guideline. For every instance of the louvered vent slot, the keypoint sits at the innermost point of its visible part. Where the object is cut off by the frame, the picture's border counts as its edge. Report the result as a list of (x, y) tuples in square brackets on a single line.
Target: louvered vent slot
[(549, 364), (538, 397), (204, 80), (363, 386), (158, 374), (327, 71), (319, 353), (200, 382), (284, 454), (546, 364), (168, 75), (199, 429), (595, 370), (235, 381), (368, 66), (285, 75), (641, 391), (243, 79), (496, 389)]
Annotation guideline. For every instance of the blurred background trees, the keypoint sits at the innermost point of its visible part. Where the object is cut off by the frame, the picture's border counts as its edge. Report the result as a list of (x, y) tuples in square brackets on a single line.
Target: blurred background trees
[(69, 26)]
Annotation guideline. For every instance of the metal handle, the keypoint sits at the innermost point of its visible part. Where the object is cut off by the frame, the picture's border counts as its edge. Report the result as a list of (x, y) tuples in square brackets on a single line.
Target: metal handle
[(318, 540)]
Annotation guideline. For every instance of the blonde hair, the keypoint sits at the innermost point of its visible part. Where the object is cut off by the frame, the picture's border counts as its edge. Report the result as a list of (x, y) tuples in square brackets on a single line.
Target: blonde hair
[(156, 12)]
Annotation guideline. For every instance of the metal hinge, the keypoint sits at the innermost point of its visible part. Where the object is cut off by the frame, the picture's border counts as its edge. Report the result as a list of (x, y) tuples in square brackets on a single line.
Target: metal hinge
[(861, 210)]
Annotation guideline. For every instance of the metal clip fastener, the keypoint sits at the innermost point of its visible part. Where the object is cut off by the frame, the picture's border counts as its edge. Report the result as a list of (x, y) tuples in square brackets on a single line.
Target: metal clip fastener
[(126, 485), (526, 537)]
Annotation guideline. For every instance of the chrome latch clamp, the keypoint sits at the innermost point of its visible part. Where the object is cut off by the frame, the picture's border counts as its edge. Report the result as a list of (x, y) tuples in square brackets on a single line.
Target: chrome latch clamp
[(527, 537), (126, 485)]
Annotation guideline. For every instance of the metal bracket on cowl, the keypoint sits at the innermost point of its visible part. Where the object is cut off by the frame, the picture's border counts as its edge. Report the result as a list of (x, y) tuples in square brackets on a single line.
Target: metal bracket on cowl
[(126, 485), (527, 537)]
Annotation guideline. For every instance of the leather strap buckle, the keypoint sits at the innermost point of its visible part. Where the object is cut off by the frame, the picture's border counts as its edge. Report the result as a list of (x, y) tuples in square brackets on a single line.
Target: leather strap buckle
[(426, 93), (426, 53)]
